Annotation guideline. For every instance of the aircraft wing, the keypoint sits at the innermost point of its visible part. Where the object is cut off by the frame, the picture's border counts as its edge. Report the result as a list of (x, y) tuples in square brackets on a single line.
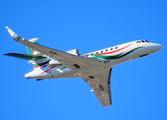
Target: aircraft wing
[(68, 60), (101, 86)]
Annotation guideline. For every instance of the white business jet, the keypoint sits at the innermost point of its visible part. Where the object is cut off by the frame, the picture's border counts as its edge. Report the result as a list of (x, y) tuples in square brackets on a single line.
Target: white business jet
[(94, 68)]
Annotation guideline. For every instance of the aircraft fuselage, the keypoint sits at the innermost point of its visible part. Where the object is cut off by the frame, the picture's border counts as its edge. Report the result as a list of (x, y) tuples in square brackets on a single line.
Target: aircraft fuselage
[(111, 56)]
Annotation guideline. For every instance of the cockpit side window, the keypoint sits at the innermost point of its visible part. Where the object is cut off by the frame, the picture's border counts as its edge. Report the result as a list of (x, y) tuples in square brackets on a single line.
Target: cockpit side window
[(140, 41)]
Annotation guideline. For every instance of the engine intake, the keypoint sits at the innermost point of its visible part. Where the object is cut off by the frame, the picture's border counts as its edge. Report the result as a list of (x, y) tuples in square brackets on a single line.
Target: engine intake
[(74, 52)]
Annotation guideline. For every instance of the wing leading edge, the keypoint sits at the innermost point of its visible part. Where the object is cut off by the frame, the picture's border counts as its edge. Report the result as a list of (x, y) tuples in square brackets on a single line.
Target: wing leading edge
[(68, 60), (101, 86)]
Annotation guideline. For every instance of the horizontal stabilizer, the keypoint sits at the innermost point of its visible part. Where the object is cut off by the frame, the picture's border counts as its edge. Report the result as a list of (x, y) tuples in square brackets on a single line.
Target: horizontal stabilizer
[(24, 56)]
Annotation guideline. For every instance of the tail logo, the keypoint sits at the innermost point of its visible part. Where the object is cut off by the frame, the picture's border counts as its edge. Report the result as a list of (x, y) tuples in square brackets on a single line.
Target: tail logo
[(34, 52)]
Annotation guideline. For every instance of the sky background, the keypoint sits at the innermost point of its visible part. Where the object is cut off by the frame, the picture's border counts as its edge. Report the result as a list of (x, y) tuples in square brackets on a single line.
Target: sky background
[(139, 87)]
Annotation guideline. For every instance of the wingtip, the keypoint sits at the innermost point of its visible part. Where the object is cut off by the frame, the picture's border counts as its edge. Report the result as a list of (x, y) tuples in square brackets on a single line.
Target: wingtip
[(7, 27), (10, 31)]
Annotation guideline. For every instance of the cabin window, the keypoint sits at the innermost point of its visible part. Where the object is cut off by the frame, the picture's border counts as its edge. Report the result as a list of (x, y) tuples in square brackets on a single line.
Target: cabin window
[(147, 41), (87, 55), (116, 47), (92, 54), (96, 52), (143, 41), (138, 42), (101, 51), (106, 50), (111, 48)]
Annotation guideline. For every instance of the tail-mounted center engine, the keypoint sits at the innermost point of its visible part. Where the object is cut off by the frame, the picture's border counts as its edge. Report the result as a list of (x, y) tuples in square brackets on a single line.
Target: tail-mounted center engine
[(74, 52), (54, 62)]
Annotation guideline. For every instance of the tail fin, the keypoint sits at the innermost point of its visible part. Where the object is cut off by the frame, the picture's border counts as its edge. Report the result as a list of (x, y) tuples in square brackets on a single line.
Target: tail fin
[(32, 51), (36, 58), (43, 59)]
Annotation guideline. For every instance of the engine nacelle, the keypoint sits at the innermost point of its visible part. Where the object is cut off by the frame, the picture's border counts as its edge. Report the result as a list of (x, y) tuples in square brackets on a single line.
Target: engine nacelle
[(74, 52), (33, 40), (54, 62)]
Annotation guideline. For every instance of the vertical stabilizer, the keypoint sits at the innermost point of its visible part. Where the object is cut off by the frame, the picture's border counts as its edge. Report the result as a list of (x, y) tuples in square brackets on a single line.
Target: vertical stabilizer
[(36, 58), (33, 52), (30, 50)]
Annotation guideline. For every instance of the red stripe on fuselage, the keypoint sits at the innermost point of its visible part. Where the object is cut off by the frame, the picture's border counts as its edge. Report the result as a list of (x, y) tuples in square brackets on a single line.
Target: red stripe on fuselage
[(48, 69), (115, 50)]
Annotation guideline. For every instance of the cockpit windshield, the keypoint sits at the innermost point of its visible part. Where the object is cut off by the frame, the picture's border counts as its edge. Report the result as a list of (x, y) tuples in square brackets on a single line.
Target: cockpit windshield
[(142, 41)]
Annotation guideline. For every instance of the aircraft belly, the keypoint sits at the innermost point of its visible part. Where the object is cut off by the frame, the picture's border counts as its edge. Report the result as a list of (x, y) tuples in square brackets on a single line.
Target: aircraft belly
[(86, 71), (64, 72)]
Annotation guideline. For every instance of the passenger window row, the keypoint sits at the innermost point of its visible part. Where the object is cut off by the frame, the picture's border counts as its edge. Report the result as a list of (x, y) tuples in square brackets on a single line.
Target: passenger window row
[(102, 51)]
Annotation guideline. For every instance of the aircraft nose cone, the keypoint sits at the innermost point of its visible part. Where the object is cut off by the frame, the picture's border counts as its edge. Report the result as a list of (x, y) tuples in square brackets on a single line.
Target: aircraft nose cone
[(158, 46), (161, 46)]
